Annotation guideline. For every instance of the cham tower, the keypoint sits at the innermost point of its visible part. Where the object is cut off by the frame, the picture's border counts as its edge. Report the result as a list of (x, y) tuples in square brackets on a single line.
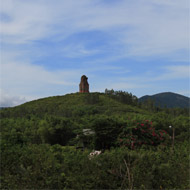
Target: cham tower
[(84, 86)]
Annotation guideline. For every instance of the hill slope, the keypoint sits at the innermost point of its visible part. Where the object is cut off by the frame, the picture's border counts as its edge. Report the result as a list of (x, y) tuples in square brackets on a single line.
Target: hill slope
[(73, 105), (168, 99)]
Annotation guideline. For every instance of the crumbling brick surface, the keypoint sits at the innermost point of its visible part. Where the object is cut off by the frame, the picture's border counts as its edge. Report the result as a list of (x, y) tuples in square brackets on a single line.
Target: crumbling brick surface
[(84, 86)]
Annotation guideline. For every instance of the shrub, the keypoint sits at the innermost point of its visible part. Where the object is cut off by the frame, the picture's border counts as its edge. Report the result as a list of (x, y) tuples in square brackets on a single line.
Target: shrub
[(141, 133)]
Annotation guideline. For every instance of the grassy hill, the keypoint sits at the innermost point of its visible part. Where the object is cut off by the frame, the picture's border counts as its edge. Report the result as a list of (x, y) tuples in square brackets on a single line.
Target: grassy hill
[(40, 143), (71, 105), (168, 99)]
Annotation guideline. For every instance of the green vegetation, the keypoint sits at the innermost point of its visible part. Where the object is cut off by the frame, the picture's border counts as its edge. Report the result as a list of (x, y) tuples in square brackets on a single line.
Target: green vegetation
[(43, 145), (167, 99)]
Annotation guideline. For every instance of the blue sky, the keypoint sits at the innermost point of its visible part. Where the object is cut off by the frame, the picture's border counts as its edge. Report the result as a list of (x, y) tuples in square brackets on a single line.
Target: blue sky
[(138, 46)]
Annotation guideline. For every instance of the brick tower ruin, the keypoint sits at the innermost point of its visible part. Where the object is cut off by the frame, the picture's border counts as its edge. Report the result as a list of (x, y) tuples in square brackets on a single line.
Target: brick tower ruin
[(84, 86)]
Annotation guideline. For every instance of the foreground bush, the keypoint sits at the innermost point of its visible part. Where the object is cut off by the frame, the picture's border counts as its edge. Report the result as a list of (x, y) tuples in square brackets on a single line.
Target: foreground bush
[(57, 167)]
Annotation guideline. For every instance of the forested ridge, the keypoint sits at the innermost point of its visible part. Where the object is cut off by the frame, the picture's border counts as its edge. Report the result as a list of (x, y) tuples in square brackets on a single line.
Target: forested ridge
[(168, 99), (43, 145)]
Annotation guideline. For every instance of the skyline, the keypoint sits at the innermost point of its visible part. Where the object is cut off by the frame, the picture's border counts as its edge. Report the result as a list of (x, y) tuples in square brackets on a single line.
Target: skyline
[(139, 46)]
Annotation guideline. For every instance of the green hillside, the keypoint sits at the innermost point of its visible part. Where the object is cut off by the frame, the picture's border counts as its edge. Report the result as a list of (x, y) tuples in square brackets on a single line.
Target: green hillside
[(76, 104), (43, 144)]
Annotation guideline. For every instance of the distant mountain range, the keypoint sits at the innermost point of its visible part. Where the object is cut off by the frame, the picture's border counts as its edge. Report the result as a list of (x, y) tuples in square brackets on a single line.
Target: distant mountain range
[(168, 99)]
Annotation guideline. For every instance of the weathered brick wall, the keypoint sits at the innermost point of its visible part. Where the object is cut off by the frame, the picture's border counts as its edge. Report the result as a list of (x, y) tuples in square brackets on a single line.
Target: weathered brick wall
[(84, 86)]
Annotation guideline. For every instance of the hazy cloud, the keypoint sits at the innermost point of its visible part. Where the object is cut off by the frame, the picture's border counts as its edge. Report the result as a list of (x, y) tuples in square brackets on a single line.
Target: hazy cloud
[(7, 100), (28, 79)]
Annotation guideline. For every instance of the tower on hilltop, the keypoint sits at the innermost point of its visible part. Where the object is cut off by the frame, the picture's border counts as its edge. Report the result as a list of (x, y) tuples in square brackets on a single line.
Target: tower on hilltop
[(84, 86)]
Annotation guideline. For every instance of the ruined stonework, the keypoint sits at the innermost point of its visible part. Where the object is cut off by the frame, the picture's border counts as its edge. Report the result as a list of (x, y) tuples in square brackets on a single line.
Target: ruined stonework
[(84, 86)]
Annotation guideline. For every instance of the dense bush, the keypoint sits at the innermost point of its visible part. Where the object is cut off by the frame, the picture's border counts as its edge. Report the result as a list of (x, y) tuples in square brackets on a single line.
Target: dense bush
[(57, 167), (106, 132), (141, 133)]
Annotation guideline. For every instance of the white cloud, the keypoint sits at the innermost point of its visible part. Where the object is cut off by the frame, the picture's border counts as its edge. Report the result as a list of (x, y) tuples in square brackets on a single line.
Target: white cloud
[(168, 73), (175, 72), (77, 50), (7, 100), (21, 78), (28, 21), (145, 27)]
